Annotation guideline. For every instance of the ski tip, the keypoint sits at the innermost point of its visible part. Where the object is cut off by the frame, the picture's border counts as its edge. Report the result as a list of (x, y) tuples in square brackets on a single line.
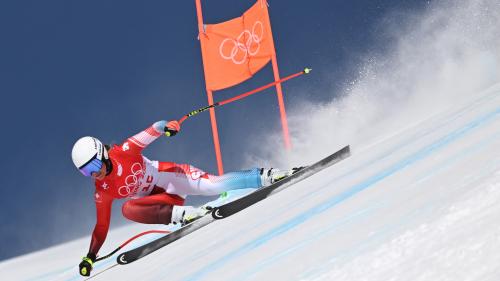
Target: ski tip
[(347, 148)]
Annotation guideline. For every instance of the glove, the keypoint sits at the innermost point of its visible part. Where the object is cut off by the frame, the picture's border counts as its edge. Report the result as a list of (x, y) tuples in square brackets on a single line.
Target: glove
[(172, 128), (86, 264)]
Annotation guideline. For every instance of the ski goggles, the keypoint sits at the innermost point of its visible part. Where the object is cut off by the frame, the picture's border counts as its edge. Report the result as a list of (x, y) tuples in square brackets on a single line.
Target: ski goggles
[(94, 166)]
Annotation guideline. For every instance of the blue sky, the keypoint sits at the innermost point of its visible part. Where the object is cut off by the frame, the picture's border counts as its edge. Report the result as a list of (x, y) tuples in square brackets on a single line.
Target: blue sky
[(111, 68)]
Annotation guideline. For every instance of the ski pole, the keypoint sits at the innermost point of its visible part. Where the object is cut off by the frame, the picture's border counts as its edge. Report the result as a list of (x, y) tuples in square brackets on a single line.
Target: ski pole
[(130, 240), (244, 95)]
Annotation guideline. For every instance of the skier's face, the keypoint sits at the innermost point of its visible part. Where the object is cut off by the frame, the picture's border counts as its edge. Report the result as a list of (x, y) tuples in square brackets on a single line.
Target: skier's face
[(101, 174)]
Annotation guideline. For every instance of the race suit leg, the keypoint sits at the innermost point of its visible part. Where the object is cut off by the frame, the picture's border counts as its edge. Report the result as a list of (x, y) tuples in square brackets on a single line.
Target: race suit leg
[(153, 209), (175, 182), (184, 179)]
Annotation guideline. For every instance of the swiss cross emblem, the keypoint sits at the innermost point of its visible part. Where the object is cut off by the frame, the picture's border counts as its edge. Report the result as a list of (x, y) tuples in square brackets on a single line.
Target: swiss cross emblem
[(97, 198)]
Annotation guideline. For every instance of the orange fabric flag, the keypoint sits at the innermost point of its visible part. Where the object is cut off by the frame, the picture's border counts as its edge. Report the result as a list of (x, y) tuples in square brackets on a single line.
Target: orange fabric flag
[(236, 49)]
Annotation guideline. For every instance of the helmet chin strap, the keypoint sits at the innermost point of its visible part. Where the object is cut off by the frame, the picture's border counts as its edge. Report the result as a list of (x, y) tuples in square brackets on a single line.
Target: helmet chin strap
[(106, 160), (109, 166)]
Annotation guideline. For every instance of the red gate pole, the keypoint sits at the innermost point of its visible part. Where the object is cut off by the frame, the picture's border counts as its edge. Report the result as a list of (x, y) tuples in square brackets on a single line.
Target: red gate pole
[(284, 122), (213, 120)]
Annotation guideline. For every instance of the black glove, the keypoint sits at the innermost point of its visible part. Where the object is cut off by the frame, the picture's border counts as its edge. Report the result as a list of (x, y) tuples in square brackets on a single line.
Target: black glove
[(172, 128), (170, 132), (86, 264)]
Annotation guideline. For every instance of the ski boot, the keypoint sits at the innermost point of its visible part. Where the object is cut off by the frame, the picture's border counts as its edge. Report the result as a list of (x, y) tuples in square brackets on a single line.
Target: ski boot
[(272, 175), (188, 214)]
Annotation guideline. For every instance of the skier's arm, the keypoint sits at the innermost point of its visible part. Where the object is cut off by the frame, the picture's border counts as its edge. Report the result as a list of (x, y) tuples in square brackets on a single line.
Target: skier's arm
[(141, 140), (103, 203)]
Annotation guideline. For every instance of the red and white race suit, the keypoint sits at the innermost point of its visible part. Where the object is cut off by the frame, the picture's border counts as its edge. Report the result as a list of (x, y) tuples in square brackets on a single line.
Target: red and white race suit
[(154, 186)]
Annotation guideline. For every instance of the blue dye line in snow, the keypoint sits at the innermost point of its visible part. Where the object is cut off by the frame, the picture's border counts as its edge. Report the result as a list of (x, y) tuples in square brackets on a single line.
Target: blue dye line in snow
[(325, 267), (330, 228), (377, 237), (300, 219), (457, 157)]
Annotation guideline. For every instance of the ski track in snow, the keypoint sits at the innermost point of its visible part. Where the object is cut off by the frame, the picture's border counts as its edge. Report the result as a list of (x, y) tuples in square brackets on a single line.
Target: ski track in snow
[(332, 227), (429, 238)]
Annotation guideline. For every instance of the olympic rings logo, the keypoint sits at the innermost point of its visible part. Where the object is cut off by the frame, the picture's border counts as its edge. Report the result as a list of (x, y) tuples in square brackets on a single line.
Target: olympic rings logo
[(241, 50), (132, 181)]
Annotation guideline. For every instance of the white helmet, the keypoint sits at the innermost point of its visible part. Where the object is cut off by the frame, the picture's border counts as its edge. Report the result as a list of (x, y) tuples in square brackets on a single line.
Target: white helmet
[(87, 149)]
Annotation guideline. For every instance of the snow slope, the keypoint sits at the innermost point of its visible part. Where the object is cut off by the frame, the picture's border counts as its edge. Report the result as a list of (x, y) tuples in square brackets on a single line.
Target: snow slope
[(421, 203), (417, 200)]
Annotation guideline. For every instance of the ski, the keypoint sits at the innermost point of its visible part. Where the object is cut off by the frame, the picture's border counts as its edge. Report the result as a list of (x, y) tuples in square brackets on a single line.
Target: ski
[(242, 203), (232, 207), (146, 249)]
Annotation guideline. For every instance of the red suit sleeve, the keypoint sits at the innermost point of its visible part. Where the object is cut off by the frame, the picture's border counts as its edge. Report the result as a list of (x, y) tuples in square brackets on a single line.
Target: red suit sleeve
[(139, 141), (103, 203)]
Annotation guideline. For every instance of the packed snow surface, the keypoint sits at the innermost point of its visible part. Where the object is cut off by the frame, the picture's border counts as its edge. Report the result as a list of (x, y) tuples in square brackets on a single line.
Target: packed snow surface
[(418, 204), (417, 200)]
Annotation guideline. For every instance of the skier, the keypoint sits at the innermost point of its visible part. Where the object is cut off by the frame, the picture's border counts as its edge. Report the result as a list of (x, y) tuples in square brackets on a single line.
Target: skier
[(158, 189)]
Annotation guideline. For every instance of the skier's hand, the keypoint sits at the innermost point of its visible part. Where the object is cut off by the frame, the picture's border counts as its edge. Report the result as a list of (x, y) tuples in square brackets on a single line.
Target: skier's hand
[(172, 128), (86, 265)]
